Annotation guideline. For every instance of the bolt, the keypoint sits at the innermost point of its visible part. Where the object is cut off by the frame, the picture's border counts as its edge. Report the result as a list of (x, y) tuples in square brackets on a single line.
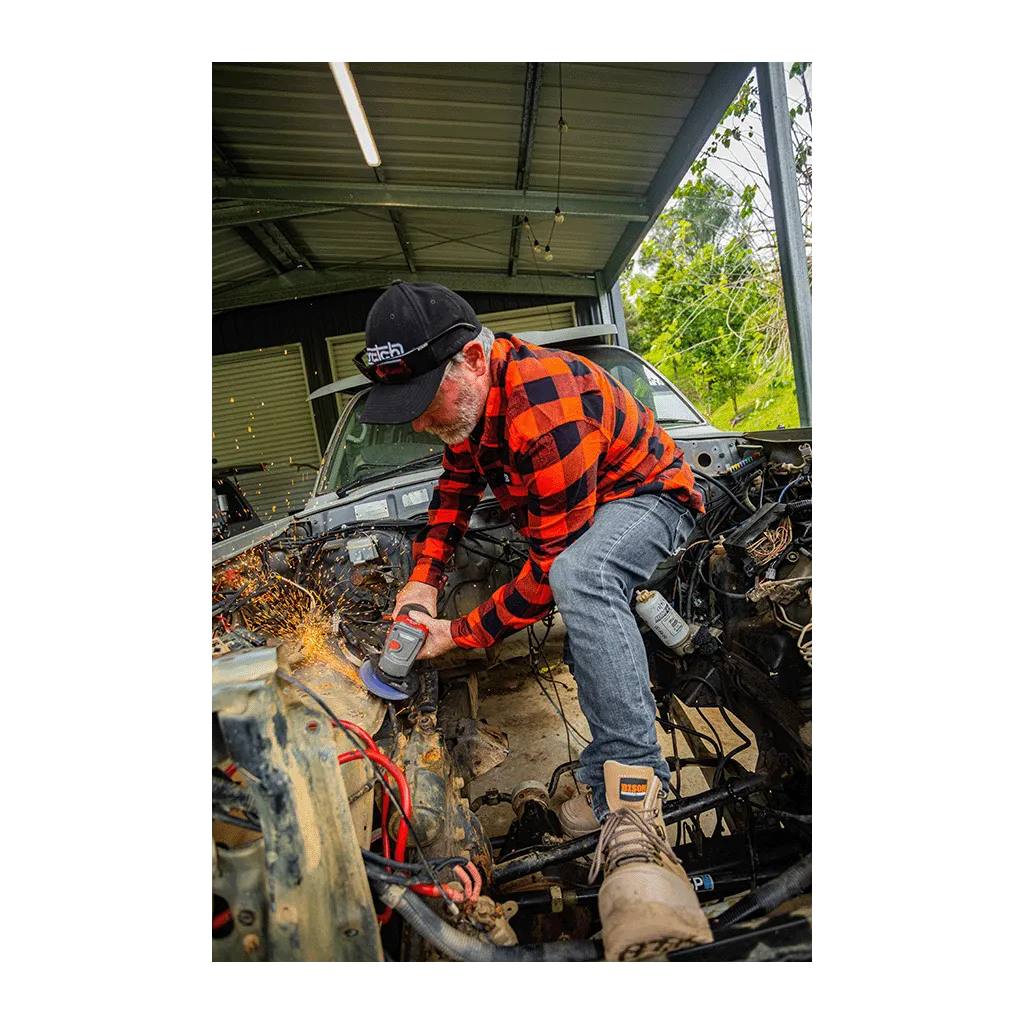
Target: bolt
[(792, 556), (251, 943)]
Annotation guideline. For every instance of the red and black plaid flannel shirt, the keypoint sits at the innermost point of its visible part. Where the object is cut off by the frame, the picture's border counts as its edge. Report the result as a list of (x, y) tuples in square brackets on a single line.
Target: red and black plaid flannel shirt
[(559, 437)]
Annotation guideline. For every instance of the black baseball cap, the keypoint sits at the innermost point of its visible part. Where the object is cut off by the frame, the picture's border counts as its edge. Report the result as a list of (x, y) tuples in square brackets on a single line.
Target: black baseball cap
[(412, 332)]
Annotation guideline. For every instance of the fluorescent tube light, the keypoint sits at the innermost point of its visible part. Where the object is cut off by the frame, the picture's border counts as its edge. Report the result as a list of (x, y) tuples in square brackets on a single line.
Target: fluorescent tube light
[(354, 106)]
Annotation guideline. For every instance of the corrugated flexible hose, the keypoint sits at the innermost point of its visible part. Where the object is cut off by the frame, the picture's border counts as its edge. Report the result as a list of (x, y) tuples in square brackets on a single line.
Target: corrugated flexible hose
[(790, 883)]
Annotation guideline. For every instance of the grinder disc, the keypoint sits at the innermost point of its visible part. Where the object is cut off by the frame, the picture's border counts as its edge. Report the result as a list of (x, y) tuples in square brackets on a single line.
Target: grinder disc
[(381, 689)]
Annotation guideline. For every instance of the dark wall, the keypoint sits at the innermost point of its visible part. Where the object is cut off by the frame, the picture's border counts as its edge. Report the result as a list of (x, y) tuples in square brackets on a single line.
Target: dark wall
[(310, 321)]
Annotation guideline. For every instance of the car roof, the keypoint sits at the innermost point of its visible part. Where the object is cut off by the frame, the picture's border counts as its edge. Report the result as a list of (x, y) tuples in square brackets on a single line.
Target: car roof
[(584, 332)]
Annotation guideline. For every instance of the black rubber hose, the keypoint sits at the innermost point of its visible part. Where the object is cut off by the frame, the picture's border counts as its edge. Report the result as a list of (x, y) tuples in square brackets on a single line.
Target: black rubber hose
[(790, 883), (460, 946), (559, 772)]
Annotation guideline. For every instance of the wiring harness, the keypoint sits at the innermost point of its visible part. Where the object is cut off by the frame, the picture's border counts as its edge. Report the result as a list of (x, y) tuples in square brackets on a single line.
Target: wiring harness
[(420, 876)]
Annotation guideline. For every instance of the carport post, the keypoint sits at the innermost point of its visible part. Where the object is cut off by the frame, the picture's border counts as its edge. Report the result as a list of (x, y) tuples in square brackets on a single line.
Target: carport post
[(609, 305), (618, 315), (796, 286)]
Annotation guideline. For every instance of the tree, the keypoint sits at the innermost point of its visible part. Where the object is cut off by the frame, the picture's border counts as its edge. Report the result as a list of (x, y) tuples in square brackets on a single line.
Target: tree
[(707, 211), (703, 294), (701, 315)]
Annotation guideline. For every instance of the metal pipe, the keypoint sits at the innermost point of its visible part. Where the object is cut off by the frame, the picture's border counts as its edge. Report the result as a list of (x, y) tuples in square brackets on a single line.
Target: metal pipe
[(725, 876), (541, 901), (789, 230), (673, 811)]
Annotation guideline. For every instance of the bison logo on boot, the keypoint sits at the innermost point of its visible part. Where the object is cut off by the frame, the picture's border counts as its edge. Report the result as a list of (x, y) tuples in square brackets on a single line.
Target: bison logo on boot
[(633, 790)]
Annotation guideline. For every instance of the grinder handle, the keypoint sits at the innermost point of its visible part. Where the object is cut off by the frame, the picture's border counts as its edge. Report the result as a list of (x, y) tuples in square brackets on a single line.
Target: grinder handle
[(406, 608)]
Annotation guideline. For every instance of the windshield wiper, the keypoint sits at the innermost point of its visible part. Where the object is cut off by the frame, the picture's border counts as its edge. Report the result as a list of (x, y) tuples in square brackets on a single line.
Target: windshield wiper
[(374, 478)]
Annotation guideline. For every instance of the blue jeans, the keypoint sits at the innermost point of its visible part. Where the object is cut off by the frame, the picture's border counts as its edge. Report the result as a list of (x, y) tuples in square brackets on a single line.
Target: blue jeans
[(593, 581)]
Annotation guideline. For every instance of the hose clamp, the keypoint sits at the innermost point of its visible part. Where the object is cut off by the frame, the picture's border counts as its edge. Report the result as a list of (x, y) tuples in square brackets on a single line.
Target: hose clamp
[(391, 895)]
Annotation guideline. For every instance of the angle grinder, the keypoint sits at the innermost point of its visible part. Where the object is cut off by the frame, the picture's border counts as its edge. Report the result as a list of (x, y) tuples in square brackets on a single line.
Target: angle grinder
[(389, 675)]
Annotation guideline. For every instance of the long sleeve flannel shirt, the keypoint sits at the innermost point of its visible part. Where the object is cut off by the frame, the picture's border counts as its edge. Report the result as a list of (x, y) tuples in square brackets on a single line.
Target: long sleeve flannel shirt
[(559, 437)]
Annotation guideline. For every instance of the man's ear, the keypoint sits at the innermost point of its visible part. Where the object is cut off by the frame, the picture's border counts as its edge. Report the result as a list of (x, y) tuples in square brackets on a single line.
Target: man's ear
[(475, 360)]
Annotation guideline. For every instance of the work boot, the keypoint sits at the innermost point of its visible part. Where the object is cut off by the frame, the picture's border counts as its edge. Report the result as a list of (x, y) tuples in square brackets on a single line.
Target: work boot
[(576, 815), (646, 902)]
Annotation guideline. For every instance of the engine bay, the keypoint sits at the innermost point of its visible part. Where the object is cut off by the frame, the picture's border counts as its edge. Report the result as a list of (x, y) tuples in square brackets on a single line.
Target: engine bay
[(346, 827)]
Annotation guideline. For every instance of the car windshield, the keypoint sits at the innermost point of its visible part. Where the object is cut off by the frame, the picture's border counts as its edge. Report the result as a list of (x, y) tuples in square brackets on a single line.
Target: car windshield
[(644, 383), (366, 450), (372, 451)]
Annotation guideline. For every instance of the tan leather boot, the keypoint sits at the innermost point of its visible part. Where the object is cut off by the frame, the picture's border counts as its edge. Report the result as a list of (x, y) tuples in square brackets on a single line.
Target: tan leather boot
[(576, 816), (646, 902)]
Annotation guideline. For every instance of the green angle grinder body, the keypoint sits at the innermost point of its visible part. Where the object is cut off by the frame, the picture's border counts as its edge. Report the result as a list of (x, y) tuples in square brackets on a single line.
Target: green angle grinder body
[(390, 676)]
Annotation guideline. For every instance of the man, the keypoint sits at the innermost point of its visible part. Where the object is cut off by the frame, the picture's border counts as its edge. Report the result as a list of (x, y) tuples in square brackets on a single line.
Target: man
[(603, 496)]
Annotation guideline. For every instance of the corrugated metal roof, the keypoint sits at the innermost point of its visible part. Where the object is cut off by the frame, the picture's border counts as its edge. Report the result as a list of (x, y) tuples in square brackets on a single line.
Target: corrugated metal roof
[(451, 140)]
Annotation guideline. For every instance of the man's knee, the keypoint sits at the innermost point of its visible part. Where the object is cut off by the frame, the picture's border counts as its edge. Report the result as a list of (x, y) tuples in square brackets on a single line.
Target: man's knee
[(578, 571), (561, 576)]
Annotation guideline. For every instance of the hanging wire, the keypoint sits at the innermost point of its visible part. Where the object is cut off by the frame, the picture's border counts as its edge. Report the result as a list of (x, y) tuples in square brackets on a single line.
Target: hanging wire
[(562, 129), (543, 290)]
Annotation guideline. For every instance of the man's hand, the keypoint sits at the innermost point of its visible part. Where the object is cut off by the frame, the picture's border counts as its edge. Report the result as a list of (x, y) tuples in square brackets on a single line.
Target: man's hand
[(417, 593), (439, 636)]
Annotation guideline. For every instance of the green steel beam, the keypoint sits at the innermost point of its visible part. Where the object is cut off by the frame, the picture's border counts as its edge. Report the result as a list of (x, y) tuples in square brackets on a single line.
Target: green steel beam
[(264, 248), (479, 200), (618, 315), (398, 224), (719, 91), (527, 131), (233, 214), (789, 228), (274, 245), (304, 284)]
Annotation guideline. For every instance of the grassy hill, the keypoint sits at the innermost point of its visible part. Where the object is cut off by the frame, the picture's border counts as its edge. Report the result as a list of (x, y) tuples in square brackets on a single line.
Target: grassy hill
[(762, 407)]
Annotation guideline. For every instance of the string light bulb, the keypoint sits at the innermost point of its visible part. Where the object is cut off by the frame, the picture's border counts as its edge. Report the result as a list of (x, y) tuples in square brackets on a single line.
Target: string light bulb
[(559, 216), (548, 254), (562, 126), (536, 245)]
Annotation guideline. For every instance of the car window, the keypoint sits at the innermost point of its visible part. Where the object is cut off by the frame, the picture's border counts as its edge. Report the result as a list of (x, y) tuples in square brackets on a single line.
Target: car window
[(643, 382), (366, 450), (369, 449)]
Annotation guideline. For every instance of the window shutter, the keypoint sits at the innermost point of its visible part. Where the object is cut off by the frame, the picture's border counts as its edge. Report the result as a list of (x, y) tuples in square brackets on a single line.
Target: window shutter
[(260, 414)]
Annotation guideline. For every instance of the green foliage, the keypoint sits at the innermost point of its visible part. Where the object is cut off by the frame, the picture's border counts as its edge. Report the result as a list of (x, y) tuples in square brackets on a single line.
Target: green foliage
[(703, 296), (702, 318)]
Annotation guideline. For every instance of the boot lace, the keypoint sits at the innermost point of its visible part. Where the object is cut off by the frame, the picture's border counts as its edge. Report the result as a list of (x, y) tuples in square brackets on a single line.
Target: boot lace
[(629, 836)]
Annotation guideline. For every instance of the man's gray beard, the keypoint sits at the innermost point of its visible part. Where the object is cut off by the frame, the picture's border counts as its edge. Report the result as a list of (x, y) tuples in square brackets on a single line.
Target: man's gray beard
[(470, 410), (459, 431)]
